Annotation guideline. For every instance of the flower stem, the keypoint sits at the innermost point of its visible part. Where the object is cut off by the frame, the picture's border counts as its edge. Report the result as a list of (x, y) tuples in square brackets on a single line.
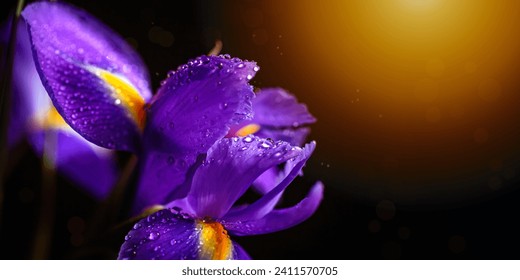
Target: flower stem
[(5, 100)]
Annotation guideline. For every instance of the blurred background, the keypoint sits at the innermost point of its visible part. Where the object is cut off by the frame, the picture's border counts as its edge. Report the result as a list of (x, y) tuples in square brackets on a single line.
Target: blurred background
[(418, 129)]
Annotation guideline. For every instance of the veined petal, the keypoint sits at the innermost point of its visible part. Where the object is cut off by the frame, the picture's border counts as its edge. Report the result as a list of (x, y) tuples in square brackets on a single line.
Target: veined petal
[(230, 168), (276, 107), (197, 104), (194, 108), (92, 168), (266, 203), (168, 234), (280, 219), (95, 79)]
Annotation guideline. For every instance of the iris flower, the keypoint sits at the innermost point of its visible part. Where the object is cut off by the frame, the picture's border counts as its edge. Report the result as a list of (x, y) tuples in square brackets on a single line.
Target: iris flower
[(90, 167), (199, 226), (101, 88)]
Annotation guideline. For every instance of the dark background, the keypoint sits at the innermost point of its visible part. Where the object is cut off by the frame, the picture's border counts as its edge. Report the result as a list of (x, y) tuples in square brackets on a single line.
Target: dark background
[(389, 192)]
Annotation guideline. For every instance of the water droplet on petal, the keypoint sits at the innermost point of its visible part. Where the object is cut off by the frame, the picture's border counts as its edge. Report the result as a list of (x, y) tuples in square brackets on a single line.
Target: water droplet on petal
[(256, 68), (117, 101), (153, 236), (127, 237), (248, 139)]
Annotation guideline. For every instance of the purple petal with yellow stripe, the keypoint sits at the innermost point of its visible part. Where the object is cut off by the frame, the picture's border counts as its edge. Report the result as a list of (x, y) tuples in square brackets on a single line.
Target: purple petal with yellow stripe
[(92, 168), (194, 108), (97, 82), (168, 234), (234, 163)]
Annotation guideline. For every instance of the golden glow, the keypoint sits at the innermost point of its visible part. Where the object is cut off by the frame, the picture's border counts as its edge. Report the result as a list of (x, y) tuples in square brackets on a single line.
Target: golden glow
[(430, 84), (215, 242), (248, 129)]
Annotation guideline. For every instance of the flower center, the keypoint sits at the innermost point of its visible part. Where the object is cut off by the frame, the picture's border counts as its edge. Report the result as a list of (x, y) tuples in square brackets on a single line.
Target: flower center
[(215, 243)]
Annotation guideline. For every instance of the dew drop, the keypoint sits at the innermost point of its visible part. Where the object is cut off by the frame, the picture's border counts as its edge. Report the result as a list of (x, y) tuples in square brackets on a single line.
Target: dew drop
[(138, 226), (248, 139), (249, 77), (128, 237), (223, 106), (256, 68), (117, 101), (153, 236)]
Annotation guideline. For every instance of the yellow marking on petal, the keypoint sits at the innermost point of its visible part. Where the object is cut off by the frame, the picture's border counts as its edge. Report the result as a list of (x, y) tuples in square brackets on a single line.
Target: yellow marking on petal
[(248, 129), (53, 119), (125, 94), (215, 243)]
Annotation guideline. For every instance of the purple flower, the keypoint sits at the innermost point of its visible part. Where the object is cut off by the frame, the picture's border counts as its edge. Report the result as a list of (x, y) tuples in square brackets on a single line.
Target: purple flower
[(278, 116), (32, 115), (101, 88), (198, 226)]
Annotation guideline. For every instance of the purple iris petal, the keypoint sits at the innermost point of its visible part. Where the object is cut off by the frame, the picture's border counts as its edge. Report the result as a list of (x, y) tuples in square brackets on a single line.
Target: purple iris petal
[(94, 78), (266, 203), (280, 219), (194, 108), (92, 168), (277, 108), (231, 166), (167, 234)]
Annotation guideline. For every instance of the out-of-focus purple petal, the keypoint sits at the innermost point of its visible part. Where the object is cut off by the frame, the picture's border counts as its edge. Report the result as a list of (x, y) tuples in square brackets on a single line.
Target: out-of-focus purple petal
[(266, 203), (280, 219), (231, 166), (92, 168), (276, 107), (194, 108), (170, 235), (95, 79)]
